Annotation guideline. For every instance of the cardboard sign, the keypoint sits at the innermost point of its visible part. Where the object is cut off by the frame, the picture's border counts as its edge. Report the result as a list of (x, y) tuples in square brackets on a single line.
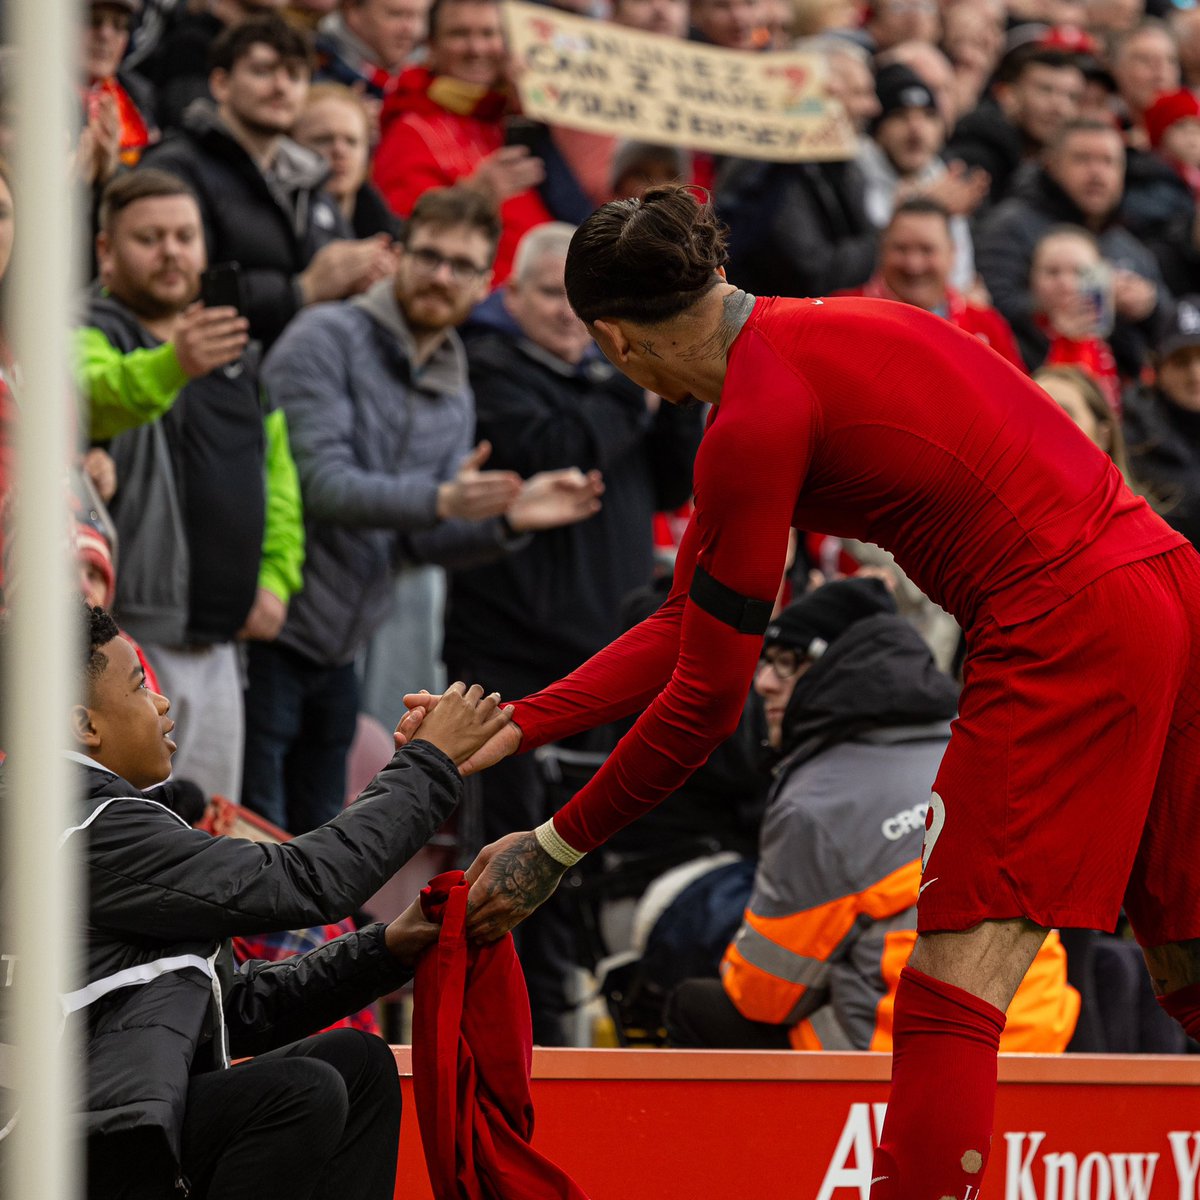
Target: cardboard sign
[(601, 77)]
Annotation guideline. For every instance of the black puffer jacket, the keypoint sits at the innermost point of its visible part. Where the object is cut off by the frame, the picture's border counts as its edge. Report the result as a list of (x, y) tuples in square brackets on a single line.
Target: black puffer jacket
[(272, 226), (160, 995)]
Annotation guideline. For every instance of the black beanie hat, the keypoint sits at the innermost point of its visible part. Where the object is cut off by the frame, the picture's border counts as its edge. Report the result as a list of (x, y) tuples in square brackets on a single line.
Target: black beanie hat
[(824, 615), (899, 87)]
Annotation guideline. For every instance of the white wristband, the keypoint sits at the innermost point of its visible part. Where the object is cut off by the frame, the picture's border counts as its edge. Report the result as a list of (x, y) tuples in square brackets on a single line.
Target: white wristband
[(560, 851)]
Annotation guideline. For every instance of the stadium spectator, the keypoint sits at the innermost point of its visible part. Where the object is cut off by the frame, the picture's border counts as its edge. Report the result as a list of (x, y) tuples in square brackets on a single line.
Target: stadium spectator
[(1162, 423), (179, 64), (1078, 394), (801, 229), (901, 157), (380, 419), (637, 166), (935, 70), (444, 124), (973, 40), (666, 17), (1173, 128), (858, 718), (546, 400), (1071, 290), (336, 124), (890, 22), (260, 193), (105, 83), (732, 24), (1035, 94), (1080, 183), (164, 1008), (1113, 18), (1185, 25), (365, 44), (916, 258), (207, 507), (1145, 63)]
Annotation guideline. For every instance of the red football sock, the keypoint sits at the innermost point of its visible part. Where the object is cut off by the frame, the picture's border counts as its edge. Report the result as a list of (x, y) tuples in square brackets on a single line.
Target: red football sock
[(1184, 1005), (938, 1128)]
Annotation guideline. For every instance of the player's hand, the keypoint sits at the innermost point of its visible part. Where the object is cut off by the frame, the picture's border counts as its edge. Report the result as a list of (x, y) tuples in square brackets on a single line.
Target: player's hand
[(500, 745), (463, 721), (208, 338), (509, 879), (410, 934)]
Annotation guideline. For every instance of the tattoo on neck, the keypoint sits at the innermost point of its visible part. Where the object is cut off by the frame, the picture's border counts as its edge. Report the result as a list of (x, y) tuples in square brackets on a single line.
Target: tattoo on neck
[(735, 312), (648, 348)]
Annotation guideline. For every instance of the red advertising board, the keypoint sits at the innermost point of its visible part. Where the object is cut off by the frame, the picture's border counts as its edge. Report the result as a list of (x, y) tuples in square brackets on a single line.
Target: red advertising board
[(659, 1124)]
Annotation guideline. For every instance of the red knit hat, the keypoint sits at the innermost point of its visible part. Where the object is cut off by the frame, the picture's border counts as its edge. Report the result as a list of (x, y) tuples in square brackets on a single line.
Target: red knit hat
[(1167, 109), (91, 546)]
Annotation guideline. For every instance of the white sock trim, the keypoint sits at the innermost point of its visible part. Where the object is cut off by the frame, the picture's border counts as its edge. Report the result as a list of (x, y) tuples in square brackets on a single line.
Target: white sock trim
[(560, 851)]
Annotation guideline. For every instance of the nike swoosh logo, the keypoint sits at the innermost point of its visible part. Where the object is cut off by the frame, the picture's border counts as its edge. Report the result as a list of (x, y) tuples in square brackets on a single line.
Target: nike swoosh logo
[(925, 885), (818, 301)]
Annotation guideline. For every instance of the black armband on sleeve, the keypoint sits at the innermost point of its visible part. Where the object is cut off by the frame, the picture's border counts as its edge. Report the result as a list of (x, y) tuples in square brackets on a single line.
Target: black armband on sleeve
[(743, 613)]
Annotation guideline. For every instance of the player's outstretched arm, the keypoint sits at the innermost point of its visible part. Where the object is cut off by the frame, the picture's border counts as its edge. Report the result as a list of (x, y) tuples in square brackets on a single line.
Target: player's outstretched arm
[(509, 879)]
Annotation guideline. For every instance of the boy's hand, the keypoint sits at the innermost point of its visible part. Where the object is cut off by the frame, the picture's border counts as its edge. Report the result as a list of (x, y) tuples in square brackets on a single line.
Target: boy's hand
[(410, 934), (506, 741), (462, 720)]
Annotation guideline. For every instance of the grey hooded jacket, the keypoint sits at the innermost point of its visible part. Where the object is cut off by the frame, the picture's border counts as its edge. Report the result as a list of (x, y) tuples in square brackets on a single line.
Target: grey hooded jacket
[(372, 438)]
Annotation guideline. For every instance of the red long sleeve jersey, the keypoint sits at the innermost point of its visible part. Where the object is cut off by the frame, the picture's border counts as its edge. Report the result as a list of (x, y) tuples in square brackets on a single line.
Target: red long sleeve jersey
[(864, 419)]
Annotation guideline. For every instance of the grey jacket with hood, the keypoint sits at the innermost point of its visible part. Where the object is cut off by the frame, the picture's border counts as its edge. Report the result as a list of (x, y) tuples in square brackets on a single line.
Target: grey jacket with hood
[(863, 734), (372, 438)]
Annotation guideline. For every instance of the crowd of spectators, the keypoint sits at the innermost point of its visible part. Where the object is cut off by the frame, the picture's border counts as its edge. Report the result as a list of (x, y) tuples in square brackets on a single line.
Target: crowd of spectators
[(376, 439)]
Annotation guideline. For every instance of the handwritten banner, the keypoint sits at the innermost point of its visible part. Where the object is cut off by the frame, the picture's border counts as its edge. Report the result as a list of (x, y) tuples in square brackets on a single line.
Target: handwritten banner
[(597, 76)]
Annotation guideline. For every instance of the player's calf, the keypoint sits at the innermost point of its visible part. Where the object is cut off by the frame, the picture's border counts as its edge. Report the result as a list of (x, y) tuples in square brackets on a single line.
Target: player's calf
[(1175, 975)]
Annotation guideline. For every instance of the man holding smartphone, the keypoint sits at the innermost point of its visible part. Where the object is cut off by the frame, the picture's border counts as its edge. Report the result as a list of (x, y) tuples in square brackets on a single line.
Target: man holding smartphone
[(207, 506)]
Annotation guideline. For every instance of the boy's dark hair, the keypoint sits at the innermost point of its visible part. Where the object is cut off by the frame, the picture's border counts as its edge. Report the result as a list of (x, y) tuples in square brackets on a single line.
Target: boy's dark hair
[(444, 208), (101, 629), (922, 206), (234, 42), (144, 184), (645, 260)]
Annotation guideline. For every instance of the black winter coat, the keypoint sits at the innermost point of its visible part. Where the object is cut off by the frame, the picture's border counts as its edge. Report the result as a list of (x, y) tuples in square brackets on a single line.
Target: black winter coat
[(160, 995), (538, 613), (986, 138), (796, 229), (270, 227)]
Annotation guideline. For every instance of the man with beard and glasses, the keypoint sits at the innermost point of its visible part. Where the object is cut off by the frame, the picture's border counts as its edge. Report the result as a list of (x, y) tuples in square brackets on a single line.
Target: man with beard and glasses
[(380, 417), (261, 194), (207, 507)]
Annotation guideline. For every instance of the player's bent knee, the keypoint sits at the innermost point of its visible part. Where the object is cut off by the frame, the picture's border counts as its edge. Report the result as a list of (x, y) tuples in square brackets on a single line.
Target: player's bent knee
[(1173, 966), (988, 960)]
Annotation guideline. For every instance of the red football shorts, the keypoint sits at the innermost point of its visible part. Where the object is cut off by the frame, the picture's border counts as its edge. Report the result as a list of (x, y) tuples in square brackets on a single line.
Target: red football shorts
[(1071, 784)]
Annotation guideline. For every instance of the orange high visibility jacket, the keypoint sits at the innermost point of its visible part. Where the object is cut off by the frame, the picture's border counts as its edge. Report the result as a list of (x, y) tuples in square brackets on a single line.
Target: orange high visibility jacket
[(832, 918)]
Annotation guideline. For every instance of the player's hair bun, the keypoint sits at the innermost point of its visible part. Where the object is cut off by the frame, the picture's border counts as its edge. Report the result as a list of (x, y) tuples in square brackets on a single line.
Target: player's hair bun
[(645, 260)]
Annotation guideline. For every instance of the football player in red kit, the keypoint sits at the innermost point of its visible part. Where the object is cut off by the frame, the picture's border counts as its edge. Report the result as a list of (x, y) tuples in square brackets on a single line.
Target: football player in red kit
[(1071, 784)]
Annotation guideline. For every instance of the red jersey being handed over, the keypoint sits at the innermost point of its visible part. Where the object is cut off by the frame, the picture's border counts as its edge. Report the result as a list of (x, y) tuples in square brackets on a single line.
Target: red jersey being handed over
[(865, 419)]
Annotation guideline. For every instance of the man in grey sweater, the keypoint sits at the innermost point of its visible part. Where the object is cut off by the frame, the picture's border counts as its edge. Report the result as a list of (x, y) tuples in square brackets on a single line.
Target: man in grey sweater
[(380, 418)]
